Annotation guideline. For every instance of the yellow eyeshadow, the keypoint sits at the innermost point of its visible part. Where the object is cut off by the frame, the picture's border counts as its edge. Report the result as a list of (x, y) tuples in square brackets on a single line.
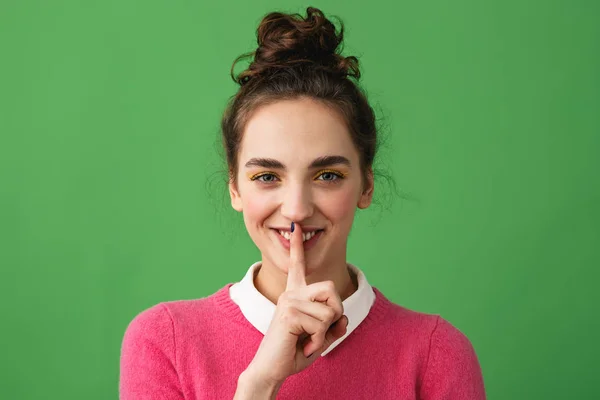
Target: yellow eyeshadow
[(324, 171), (259, 174), (331, 171)]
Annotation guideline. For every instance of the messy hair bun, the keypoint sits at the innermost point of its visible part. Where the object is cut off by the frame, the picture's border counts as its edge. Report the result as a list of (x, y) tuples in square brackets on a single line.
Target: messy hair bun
[(289, 40), (300, 57)]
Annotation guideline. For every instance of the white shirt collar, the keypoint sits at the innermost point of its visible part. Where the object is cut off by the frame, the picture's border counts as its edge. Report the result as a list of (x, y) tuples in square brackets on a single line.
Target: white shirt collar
[(259, 310)]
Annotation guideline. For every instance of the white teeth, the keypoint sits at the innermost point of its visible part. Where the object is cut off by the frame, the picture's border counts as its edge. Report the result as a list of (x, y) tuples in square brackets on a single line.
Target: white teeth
[(305, 236)]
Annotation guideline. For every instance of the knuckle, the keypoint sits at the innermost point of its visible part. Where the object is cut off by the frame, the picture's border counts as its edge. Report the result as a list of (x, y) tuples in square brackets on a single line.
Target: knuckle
[(329, 315), (323, 328), (326, 323), (289, 316)]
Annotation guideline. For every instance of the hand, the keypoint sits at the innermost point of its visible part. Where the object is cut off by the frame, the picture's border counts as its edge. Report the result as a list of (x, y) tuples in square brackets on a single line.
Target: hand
[(307, 320)]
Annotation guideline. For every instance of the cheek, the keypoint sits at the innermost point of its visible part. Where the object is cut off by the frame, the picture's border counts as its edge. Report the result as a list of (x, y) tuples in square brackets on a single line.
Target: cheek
[(339, 206), (257, 207)]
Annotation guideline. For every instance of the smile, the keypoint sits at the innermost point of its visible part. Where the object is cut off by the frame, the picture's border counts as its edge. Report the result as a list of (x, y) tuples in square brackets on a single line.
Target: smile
[(305, 236), (309, 239)]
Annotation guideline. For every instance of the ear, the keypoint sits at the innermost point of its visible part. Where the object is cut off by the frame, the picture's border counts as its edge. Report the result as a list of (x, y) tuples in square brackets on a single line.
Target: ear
[(366, 196), (236, 199)]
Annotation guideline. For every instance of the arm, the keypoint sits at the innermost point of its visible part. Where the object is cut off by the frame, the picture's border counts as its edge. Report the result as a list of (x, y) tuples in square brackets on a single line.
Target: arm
[(453, 371), (148, 358)]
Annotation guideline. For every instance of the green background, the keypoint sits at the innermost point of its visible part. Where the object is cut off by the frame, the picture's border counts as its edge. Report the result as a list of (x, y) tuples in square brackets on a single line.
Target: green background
[(112, 196)]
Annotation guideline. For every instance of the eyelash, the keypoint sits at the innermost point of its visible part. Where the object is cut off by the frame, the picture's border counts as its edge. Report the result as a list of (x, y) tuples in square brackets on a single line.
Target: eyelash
[(339, 176)]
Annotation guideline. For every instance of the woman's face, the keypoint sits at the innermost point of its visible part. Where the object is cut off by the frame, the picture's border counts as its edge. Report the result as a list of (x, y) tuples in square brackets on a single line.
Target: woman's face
[(297, 163)]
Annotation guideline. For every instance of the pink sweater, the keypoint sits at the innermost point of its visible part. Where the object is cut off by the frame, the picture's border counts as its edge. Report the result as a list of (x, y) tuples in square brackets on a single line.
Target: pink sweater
[(196, 349)]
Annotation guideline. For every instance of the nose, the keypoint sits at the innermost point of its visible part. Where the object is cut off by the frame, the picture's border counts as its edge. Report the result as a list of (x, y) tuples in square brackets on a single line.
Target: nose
[(297, 204)]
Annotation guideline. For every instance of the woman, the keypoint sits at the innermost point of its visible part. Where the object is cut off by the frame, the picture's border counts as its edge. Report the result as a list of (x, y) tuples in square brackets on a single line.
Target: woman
[(300, 141)]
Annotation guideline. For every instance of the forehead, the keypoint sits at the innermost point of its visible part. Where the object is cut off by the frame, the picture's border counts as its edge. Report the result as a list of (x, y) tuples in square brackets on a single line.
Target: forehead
[(296, 132)]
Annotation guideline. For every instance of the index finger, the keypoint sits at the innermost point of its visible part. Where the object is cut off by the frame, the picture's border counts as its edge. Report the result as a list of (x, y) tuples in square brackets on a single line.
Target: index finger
[(296, 268)]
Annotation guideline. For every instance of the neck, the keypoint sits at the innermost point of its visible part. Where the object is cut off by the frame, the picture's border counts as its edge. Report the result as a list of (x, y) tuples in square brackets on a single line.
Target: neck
[(271, 281)]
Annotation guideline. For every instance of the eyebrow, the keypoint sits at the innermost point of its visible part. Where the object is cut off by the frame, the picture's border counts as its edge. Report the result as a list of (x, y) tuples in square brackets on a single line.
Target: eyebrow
[(319, 162)]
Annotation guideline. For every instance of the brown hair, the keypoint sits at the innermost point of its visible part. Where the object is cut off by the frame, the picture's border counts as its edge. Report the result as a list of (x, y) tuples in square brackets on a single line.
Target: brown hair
[(298, 57)]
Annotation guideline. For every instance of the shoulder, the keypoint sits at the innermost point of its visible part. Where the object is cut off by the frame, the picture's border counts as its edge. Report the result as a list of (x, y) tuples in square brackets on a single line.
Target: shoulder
[(150, 352), (452, 367), (432, 327), (447, 363), (169, 313), (411, 324), (437, 333), (163, 320), (450, 350), (153, 326), (154, 335), (449, 338), (152, 317)]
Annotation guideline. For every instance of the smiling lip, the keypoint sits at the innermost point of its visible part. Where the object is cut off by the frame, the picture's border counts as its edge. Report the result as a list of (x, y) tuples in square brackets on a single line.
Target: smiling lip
[(304, 229), (310, 243)]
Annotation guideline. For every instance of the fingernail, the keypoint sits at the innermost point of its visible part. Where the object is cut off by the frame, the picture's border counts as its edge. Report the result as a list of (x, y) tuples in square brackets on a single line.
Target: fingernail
[(293, 231)]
